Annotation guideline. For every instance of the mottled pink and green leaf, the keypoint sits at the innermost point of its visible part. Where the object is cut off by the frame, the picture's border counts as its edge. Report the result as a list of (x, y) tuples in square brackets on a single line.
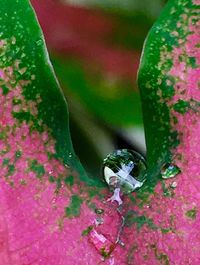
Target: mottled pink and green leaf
[(48, 215)]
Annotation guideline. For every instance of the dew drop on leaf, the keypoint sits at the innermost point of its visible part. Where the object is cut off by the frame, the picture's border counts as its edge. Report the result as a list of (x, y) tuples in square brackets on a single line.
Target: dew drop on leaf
[(99, 211), (124, 169), (169, 171), (173, 185)]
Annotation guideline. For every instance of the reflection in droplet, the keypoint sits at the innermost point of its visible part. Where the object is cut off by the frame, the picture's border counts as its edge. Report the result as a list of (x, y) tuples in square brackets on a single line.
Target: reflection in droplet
[(125, 170), (99, 211), (99, 221), (173, 185), (121, 243), (169, 171)]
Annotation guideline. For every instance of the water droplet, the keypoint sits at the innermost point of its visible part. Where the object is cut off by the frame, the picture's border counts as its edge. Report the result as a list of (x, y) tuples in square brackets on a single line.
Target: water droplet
[(124, 169), (99, 211), (99, 221), (169, 171), (121, 243), (173, 185)]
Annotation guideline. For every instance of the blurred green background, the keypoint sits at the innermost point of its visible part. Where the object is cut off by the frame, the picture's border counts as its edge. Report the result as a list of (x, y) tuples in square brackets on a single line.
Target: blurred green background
[(95, 47)]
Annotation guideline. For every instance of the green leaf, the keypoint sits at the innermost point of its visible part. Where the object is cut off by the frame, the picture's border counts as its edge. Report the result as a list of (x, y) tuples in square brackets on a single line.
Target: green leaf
[(168, 69), (30, 87), (74, 208)]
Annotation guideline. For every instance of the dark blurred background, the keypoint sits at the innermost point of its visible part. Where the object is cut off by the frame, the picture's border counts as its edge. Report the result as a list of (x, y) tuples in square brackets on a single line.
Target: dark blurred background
[(95, 47)]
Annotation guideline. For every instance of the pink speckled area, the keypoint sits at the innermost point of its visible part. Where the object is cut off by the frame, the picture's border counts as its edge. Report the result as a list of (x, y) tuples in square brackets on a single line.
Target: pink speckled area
[(32, 214), (179, 210), (35, 228)]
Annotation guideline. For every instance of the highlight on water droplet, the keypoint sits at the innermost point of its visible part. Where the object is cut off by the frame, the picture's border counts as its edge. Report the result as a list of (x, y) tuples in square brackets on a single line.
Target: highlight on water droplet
[(99, 211), (125, 170), (173, 185), (169, 170)]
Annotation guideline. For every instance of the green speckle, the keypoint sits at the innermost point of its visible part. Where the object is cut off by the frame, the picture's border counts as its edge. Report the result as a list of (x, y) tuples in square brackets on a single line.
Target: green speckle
[(92, 205), (191, 213), (11, 183), (6, 161), (16, 101), (18, 154), (174, 138), (2, 135), (181, 106), (92, 193), (87, 230), (192, 61), (69, 180), (37, 168), (132, 198), (73, 210), (11, 169), (166, 191), (3, 152), (144, 193), (5, 90), (166, 230), (105, 253), (168, 93), (22, 182), (28, 117), (132, 218), (52, 179), (58, 183), (161, 256), (22, 116)]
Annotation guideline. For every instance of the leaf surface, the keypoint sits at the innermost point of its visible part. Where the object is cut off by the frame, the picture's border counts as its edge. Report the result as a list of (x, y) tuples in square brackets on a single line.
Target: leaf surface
[(46, 199), (49, 216)]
